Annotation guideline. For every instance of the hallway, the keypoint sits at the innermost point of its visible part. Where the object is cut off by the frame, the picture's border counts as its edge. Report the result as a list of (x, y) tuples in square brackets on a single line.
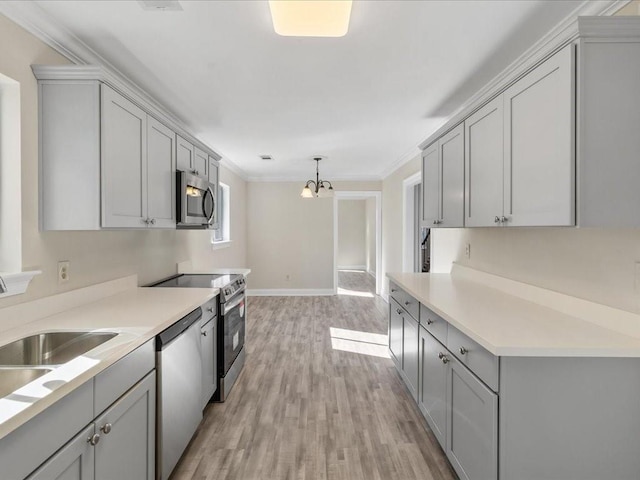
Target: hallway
[(318, 398)]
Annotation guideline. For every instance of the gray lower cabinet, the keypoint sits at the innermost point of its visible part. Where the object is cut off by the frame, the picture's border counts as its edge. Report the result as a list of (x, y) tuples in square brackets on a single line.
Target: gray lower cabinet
[(395, 333), (410, 354), (432, 385), (73, 462), (118, 444), (208, 335), (472, 424)]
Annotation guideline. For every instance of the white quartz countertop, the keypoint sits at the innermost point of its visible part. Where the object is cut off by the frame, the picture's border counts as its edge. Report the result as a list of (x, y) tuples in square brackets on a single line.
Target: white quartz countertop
[(507, 324), (137, 314)]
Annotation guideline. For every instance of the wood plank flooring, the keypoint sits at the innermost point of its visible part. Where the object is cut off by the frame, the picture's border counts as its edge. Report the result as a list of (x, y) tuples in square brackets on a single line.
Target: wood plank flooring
[(307, 407)]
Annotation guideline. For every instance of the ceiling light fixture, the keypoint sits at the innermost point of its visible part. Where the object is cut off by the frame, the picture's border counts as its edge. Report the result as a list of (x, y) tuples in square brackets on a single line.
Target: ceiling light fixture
[(319, 188), (304, 18)]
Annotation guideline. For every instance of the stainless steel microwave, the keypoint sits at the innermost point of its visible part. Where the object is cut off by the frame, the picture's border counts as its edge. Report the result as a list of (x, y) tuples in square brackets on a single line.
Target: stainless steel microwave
[(197, 201)]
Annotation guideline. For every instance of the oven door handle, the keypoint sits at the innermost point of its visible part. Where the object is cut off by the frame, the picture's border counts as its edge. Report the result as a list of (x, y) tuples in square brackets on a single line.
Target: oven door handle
[(230, 306)]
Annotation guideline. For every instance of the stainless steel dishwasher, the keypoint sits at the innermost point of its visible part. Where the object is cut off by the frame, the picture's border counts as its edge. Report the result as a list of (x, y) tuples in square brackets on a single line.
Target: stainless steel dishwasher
[(179, 396)]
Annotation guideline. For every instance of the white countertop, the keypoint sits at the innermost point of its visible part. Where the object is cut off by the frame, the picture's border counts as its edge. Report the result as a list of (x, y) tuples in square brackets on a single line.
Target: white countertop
[(138, 314), (507, 324)]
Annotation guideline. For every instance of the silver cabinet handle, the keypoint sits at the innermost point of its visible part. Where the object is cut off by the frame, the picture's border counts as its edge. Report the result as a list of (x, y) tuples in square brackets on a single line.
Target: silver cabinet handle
[(437, 222), (106, 428), (94, 439), (398, 311), (152, 221), (463, 351), (445, 360), (504, 219), (407, 303), (394, 290), (496, 220), (145, 220), (204, 333), (429, 322), (440, 355), (211, 309)]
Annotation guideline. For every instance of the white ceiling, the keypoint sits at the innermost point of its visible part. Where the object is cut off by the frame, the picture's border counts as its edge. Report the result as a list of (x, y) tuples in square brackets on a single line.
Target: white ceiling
[(365, 100)]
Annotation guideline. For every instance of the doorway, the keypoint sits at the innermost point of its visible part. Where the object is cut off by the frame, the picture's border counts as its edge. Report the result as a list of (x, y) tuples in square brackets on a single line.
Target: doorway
[(370, 259), (415, 238)]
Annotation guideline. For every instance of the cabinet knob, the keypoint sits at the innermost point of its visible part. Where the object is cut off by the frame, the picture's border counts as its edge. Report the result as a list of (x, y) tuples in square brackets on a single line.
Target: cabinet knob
[(204, 333), (429, 322), (393, 290), (210, 309), (398, 311), (445, 360), (152, 221), (463, 351), (437, 222), (145, 220), (106, 428), (94, 439), (496, 220), (407, 303), (440, 355), (504, 219)]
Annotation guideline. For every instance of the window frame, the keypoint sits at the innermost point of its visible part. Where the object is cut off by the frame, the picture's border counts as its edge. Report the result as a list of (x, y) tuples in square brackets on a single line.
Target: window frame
[(224, 220)]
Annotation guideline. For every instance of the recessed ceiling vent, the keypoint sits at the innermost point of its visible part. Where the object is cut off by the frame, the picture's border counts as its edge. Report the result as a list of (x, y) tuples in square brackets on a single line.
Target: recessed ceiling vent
[(160, 5), (266, 157)]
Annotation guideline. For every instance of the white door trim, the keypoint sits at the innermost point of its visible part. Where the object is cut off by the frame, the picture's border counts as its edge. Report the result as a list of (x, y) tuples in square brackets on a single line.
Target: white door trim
[(358, 195), (408, 214)]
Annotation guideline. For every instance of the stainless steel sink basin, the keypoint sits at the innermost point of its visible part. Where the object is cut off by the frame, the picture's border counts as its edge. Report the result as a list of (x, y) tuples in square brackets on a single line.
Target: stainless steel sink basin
[(11, 379), (52, 348)]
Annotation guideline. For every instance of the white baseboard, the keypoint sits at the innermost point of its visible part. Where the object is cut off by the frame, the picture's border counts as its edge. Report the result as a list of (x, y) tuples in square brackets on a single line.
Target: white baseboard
[(289, 292), (353, 267), (372, 273)]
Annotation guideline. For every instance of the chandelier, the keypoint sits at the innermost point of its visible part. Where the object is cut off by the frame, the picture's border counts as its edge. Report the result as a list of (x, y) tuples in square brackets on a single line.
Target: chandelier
[(317, 188)]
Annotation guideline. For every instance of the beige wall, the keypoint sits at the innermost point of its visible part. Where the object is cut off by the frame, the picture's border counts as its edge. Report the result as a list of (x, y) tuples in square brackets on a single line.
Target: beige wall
[(632, 8), (392, 219), (95, 256), (371, 235), (352, 234), (290, 239)]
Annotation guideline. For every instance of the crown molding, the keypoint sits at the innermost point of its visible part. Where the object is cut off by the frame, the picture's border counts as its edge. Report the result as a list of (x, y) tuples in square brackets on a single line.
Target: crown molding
[(234, 168), (612, 27), (304, 178), (406, 158), (562, 34)]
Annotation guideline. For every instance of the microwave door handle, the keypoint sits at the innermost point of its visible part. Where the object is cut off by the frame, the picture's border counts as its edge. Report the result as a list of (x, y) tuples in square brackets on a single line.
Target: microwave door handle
[(213, 205)]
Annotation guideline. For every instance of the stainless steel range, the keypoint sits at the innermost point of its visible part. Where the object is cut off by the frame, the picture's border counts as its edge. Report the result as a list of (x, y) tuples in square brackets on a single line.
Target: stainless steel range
[(231, 325)]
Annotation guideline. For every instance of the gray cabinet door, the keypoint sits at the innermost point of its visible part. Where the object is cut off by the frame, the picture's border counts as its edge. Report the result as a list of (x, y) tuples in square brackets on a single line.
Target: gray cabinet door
[(208, 335), (472, 425), (451, 159), (201, 164), (430, 186), (483, 141), (123, 162), (74, 461), (127, 435), (410, 354), (432, 385), (161, 165), (185, 155), (395, 333), (539, 154)]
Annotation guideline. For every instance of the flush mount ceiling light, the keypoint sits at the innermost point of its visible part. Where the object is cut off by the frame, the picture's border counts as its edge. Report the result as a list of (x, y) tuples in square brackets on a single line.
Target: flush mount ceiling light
[(160, 5), (305, 18), (321, 188)]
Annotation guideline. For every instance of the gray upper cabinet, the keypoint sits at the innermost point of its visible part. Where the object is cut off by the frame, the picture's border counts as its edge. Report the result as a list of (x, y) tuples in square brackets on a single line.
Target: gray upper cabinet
[(539, 154), (484, 166), (161, 165), (430, 186), (208, 335), (443, 181), (432, 385), (185, 155), (124, 165), (201, 165), (472, 425)]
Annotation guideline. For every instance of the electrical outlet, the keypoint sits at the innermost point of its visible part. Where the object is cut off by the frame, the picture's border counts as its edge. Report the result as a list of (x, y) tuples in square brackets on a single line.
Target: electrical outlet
[(467, 250), (63, 271), (287, 278)]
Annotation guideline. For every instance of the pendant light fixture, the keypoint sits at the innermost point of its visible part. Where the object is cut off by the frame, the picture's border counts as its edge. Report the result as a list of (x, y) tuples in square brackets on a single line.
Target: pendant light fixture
[(318, 188)]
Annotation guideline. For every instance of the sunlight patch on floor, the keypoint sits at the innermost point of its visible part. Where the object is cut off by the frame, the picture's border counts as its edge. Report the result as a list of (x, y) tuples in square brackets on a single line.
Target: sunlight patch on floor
[(364, 343), (353, 271), (354, 293)]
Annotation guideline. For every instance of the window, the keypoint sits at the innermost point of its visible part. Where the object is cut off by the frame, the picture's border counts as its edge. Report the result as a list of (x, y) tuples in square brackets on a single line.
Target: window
[(222, 236)]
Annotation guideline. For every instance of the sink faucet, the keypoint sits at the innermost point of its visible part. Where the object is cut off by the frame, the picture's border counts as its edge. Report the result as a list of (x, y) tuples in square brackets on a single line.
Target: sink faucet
[(3, 286)]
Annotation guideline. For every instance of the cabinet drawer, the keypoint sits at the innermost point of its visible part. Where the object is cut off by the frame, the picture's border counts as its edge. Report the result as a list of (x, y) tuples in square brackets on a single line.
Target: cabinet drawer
[(435, 325), (479, 360), (405, 300), (122, 375)]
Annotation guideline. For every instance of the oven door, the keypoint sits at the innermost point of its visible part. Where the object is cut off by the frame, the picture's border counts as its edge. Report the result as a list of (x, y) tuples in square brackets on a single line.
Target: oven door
[(196, 201), (233, 324)]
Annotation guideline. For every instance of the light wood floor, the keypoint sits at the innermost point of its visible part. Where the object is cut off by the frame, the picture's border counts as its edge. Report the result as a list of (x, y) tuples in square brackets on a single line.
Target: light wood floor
[(303, 409)]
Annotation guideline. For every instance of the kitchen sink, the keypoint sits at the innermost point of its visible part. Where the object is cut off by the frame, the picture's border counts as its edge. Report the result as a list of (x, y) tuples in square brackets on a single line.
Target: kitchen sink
[(11, 379), (51, 348)]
